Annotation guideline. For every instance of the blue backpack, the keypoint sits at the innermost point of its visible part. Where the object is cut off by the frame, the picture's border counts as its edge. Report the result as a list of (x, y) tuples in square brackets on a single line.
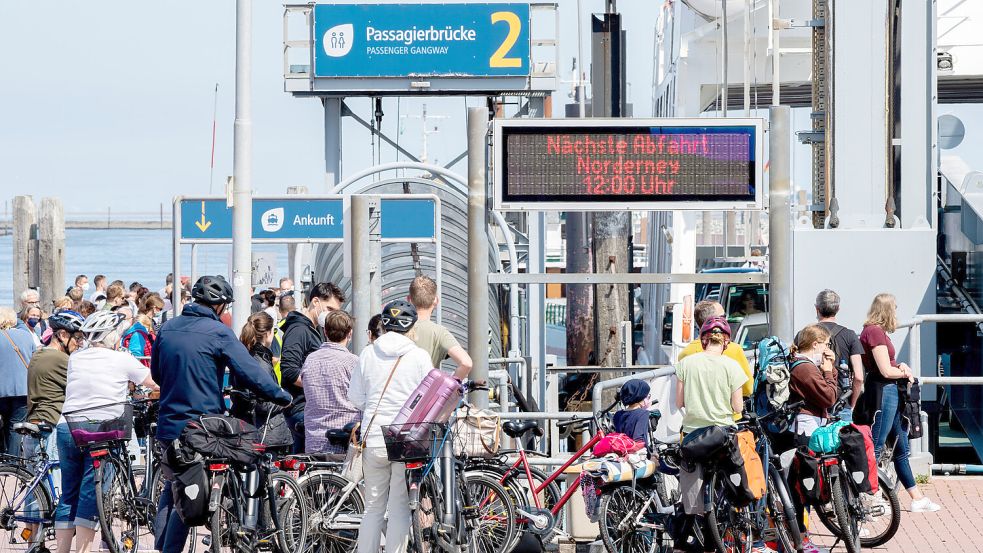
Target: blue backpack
[(772, 374)]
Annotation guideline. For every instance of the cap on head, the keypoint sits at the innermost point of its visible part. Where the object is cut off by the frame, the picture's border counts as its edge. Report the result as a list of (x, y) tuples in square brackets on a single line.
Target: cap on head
[(398, 316), (212, 290), (633, 391)]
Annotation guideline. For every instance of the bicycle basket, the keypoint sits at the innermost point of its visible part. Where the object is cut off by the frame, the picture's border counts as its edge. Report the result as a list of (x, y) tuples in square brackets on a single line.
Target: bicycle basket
[(95, 428), (413, 442)]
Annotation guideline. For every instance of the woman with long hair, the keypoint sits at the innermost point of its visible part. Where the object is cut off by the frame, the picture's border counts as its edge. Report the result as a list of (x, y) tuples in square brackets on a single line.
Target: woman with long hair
[(880, 405), (257, 336)]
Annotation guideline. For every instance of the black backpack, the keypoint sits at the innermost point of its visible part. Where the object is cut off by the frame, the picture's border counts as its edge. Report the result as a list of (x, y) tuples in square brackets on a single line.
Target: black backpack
[(911, 409), (221, 437), (844, 376)]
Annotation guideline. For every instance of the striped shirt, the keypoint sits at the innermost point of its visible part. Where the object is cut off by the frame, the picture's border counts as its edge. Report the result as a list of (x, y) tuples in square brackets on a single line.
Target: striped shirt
[(326, 374)]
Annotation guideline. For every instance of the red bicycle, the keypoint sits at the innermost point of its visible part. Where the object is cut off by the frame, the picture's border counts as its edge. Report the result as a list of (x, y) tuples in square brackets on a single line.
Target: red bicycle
[(535, 494)]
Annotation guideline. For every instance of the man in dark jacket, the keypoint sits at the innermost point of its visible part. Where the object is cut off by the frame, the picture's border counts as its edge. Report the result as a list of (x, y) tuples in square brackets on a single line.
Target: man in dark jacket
[(302, 335), (189, 361)]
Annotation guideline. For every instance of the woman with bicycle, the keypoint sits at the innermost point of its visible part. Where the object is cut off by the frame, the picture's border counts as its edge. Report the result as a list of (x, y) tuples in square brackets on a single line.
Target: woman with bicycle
[(709, 388), (879, 406), (98, 382), (388, 371), (813, 382)]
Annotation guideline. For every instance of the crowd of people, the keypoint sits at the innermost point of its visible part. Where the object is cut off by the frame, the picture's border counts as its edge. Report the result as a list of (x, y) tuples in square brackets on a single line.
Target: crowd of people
[(85, 353)]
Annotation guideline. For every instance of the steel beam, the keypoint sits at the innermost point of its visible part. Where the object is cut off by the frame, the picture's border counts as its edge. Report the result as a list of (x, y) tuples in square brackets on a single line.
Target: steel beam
[(478, 249), (627, 278)]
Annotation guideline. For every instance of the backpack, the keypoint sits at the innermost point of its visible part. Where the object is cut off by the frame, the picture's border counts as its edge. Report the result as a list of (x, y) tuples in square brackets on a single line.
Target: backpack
[(745, 480), (911, 410), (148, 342), (221, 437), (772, 375), (619, 444), (844, 376)]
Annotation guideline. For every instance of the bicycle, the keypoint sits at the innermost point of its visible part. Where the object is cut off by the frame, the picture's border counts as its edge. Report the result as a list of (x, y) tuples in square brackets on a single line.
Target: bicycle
[(461, 511), (634, 516), (27, 491), (254, 506)]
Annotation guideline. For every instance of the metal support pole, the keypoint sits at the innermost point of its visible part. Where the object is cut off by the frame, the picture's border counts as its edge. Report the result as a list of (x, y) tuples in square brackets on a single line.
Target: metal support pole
[(477, 250), (176, 261), (332, 141), (361, 261), (296, 252), (194, 263), (242, 155), (780, 223)]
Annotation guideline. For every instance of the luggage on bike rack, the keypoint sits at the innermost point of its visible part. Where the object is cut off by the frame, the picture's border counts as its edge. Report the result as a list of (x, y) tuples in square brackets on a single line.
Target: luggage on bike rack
[(189, 483), (217, 436), (807, 478), (826, 439), (745, 477), (432, 401), (857, 452)]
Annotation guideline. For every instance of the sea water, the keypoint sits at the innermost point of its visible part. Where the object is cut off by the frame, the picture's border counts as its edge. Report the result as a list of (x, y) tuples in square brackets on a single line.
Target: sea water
[(143, 256)]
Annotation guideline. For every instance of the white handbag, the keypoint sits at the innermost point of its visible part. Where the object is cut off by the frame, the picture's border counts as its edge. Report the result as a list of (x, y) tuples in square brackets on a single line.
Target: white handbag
[(478, 433)]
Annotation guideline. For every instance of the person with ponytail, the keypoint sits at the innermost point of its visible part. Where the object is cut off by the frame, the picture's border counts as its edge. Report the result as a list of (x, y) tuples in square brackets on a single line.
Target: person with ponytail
[(813, 378), (257, 336)]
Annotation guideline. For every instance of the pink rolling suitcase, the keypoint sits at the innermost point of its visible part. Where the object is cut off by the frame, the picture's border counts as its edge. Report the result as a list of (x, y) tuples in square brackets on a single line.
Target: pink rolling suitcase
[(432, 401)]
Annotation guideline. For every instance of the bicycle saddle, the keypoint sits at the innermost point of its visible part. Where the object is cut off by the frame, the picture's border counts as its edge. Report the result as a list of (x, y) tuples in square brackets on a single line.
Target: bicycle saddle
[(516, 429), (30, 428)]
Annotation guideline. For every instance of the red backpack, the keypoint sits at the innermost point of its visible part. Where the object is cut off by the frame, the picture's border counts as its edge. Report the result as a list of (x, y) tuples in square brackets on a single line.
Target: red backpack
[(617, 443), (148, 343)]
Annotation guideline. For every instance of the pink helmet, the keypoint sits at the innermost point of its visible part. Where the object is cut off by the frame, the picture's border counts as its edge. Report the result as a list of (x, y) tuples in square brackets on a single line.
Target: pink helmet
[(714, 325)]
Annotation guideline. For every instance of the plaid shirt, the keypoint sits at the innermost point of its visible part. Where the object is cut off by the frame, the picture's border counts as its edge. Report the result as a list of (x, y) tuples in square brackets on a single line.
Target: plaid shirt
[(326, 374)]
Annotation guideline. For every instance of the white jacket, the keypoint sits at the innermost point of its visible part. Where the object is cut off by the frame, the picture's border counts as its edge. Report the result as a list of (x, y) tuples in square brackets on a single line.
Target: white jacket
[(369, 378)]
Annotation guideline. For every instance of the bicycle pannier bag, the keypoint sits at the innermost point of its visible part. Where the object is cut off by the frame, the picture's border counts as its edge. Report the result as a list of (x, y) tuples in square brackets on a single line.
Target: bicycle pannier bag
[(857, 452), (221, 437), (826, 439), (189, 483), (432, 401), (744, 477), (911, 411), (478, 433), (616, 443), (705, 444), (807, 479)]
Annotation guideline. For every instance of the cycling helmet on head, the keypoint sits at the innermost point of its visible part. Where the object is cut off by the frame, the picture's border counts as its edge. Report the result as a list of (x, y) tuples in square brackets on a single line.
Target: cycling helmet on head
[(101, 324), (714, 325), (212, 290), (398, 316), (66, 320)]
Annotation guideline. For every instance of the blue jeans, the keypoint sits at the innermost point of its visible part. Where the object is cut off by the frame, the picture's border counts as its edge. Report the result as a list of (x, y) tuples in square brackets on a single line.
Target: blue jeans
[(887, 422), (846, 414), (12, 409), (32, 447), (172, 533), (77, 504)]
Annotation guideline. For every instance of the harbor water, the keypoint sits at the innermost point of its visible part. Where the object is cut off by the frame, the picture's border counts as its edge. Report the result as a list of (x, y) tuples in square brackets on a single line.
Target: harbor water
[(130, 255)]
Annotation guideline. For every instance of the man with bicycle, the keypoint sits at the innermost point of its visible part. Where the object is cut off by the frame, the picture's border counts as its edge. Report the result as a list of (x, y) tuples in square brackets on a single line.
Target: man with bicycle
[(189, 361)]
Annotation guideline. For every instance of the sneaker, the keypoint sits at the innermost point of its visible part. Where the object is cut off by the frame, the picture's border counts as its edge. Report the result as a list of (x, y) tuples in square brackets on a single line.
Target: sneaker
[(809, 547), (925, 505)]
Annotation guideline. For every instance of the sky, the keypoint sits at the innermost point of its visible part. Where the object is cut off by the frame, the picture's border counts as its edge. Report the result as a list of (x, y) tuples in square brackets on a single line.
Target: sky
[(109, 104)]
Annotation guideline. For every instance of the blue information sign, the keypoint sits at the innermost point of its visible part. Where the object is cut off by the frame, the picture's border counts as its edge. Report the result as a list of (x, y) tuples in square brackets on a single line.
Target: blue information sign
[(305, 219), (402, 40)]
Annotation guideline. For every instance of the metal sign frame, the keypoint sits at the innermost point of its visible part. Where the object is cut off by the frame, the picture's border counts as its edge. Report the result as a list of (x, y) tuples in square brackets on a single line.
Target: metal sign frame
[(179, 241), (498, 148)]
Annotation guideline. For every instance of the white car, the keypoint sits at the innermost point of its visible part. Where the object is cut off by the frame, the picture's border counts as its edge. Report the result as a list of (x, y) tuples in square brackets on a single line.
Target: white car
[(751, 330)]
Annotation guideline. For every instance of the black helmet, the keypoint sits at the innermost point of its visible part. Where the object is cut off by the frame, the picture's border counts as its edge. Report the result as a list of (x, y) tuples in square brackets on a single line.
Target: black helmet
[(66, 320), (212, 290), (398, 316)]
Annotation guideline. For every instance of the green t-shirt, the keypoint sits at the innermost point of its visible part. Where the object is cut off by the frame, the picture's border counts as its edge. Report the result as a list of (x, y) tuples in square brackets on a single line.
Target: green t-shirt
[(708, 383), (47, 376), (433, 339)]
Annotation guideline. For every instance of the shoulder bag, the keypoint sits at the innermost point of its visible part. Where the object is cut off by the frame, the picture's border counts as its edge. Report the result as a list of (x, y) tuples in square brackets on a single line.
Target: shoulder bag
[(16, 349), (478, 433), (352, 469)]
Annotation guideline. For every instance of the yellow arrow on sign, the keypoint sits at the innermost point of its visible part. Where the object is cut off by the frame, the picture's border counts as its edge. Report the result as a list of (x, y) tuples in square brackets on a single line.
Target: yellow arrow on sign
[(203, 224)]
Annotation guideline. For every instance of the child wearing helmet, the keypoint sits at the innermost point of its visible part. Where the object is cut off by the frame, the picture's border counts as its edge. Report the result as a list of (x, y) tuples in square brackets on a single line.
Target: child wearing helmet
[(709, 388)]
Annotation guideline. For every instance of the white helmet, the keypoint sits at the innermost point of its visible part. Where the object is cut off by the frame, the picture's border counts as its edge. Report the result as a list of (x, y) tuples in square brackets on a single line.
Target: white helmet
[(100, 325)]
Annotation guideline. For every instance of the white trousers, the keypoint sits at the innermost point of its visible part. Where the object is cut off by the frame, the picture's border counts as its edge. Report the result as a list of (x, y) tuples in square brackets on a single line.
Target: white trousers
[(385, 487)]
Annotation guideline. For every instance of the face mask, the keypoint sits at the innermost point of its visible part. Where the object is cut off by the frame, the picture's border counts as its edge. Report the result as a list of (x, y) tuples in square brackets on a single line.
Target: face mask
[(321, 317), (32, 322), (85, 287)]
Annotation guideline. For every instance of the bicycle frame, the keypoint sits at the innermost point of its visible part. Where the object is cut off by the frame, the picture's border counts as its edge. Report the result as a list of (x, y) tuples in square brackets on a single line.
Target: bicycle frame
[(42, 475)]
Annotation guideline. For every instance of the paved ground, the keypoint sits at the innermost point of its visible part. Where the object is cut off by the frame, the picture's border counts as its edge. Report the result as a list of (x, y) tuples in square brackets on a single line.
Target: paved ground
[(957, 528)]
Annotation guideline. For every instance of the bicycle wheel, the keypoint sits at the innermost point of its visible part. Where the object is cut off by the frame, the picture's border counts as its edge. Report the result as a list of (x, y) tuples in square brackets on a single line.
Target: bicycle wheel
[(155, 490), (119, 517), (426, 516), (782, 511), (292, 512), (226, 521), (730, 526), (629, 522), (489, 515), (842, 497), (881, 516), (521, 494), (334, 516), (25, 512)]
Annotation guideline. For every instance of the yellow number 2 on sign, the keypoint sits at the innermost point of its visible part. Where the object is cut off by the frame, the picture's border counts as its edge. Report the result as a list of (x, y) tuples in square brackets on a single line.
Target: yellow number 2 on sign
[(498, 59)]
